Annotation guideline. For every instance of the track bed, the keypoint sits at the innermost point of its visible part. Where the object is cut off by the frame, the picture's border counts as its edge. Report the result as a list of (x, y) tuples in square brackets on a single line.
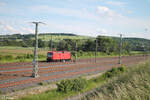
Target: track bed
[(16, 76)]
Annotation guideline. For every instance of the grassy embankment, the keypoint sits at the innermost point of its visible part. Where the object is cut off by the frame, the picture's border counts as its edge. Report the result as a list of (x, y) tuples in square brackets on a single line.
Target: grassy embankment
[(67, 88), (133, 85)]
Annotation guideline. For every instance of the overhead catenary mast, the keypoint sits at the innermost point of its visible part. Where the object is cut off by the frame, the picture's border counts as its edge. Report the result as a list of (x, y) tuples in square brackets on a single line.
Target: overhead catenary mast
[(96, 45), (51, 43), (120, 49), (76, 51), (35, 59)]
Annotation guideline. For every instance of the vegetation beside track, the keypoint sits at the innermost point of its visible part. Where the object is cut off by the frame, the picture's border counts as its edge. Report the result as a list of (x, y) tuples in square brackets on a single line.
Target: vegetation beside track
[(70, 87), (117, 84), (132, 85), (21, 54)]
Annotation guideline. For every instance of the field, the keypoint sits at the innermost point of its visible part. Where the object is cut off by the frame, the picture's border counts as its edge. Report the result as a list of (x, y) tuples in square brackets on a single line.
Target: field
[(21, 52), (57, 38)]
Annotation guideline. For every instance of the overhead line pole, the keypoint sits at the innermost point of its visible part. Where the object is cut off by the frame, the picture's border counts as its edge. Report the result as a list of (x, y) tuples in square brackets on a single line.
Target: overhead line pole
[(35, 59), (51, 42), (76, 52), (120, 51), (145, 51), (95, 49)]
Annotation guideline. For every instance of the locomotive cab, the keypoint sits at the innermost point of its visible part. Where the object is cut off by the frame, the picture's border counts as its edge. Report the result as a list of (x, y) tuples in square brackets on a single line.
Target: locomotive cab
[(49, 56), (58, 56)]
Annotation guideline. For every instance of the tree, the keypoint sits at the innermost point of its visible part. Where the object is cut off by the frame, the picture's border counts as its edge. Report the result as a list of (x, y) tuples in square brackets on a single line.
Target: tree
[(62, 45), (89, 45), (106, 44), (41, 43)]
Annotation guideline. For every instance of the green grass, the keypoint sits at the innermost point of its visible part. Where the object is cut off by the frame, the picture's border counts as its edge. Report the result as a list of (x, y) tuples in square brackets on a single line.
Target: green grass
[(20, 51), (137, 52), (25, 60), (91, 84), (55, 95), (132, 85)]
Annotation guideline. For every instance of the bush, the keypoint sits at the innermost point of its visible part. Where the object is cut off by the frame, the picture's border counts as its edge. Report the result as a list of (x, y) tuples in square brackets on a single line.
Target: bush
[(8, 57), (1, 57), (73, 53), (41, 56), (42, 83), (64, 86), (111, 73), (72, 85), (79, 84), (122, 68), (28, 56), (20, 57), (115, 71)]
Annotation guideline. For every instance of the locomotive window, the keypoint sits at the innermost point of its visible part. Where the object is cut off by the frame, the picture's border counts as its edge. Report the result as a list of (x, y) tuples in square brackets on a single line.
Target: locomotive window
[(50, 54)]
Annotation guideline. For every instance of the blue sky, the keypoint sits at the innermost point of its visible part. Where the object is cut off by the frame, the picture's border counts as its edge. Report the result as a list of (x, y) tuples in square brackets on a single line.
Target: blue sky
[(83, 17)]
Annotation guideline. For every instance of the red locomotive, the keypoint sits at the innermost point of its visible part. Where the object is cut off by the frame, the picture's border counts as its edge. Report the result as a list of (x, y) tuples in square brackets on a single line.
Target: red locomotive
[(58, 56)]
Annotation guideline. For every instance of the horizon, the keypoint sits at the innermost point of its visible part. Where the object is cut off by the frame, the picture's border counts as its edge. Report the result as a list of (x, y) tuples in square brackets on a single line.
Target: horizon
[(74, 34)]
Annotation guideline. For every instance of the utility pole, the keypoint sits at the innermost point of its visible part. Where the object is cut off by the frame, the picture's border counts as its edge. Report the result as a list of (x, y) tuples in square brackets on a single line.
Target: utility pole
[(96, 45), (51, 42), (35, 59), (76, 52), (120, 51), (144, 51)]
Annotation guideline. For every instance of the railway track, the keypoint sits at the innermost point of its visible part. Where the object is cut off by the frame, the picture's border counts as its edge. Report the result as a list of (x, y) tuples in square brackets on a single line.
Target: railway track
[(18, 76)]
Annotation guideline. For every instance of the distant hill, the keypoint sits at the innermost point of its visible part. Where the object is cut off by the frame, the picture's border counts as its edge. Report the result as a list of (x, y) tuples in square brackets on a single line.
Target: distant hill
[(135, 43), (62, 34), (45, 36)]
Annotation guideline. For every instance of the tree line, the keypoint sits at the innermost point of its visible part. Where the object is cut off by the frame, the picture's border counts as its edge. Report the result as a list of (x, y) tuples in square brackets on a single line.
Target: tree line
[(104, 44)]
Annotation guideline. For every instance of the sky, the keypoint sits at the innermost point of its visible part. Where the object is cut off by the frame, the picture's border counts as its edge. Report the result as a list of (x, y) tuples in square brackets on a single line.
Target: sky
[(83, 17)]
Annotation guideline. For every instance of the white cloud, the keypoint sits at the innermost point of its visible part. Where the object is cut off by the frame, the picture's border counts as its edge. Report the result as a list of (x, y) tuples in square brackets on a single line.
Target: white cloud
[(102, 31), (27, 30), (104, 12), (9, 28), (6, 28), (116, 3), (72, 27), (79, 13), (2, 4)]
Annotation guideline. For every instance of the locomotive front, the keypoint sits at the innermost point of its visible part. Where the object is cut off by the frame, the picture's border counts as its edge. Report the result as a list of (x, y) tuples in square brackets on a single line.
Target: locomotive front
[(49, 56)]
